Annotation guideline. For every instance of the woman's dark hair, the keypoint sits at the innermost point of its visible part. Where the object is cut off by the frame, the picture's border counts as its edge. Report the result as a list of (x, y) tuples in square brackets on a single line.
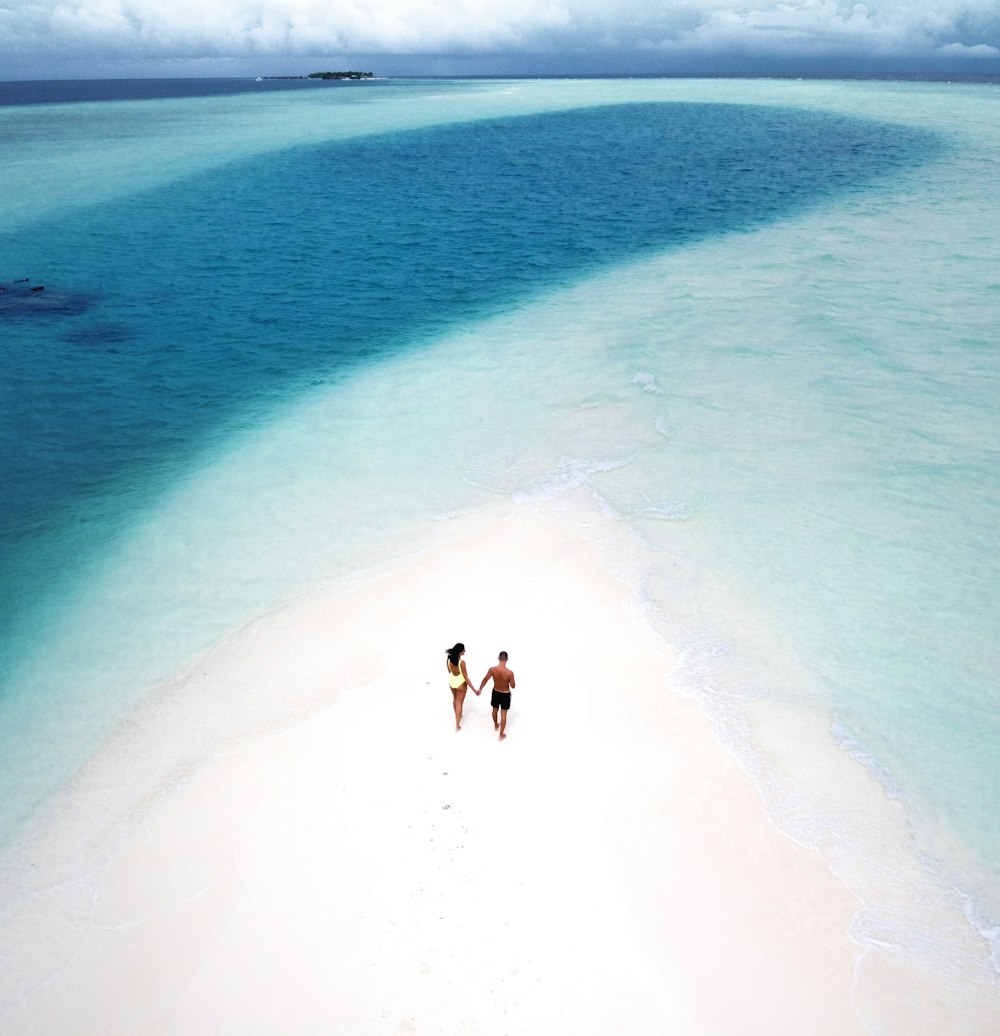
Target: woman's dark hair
[(455, 653)]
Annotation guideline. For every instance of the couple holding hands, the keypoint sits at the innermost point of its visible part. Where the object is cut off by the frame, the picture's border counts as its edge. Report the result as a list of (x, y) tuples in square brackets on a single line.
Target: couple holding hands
[(458, 681)]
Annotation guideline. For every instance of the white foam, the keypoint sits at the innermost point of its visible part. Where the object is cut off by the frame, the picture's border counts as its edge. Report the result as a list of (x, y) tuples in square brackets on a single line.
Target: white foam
[(567, 473), (647, 382)]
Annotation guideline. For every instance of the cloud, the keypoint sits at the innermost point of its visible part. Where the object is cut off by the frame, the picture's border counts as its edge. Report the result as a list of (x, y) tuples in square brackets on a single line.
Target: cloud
[(198, 29), (960, 50), (192, 28), (880, 28)]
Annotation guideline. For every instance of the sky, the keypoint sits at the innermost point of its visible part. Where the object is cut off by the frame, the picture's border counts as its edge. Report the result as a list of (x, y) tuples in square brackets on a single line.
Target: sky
[(46, 39)]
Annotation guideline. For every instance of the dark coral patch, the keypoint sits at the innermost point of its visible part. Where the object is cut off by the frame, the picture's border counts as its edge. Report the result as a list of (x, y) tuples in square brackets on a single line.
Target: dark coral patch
[(24, 298)]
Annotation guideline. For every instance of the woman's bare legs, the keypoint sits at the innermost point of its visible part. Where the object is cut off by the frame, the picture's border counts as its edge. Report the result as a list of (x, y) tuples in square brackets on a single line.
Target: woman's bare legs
[(458, 700)]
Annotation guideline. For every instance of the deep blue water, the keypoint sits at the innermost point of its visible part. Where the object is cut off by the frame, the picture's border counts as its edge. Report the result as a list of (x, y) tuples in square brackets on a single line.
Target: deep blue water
[(70, 91), (171, 317)]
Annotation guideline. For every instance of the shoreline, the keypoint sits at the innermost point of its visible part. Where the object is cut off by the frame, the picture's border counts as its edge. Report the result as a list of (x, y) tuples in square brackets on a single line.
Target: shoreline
[(363, 850)]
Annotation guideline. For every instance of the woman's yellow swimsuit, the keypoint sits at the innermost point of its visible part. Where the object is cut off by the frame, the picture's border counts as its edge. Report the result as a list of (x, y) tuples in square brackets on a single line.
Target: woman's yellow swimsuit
[(456, 680)]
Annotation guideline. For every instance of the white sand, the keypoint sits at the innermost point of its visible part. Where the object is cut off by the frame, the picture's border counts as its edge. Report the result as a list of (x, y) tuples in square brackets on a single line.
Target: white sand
[(364, 869)]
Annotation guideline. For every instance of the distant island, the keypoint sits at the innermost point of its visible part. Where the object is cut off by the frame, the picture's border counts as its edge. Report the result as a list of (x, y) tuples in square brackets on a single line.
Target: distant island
[(340, 75), (326, 75)]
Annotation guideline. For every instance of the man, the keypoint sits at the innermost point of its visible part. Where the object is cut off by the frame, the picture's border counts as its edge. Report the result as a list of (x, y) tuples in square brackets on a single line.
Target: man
[(503, 684)]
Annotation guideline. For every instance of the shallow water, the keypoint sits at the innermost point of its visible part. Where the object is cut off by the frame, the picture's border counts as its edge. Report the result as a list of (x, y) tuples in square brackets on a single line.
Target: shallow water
[(755, 321)]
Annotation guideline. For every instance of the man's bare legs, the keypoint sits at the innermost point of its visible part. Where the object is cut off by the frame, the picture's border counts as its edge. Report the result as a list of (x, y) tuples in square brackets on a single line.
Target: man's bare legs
[(503, 722), (496, 726), (458, 700)]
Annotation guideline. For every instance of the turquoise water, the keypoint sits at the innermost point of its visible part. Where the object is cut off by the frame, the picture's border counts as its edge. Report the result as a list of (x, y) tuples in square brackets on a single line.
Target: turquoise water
[(169, 315), (756, 322)]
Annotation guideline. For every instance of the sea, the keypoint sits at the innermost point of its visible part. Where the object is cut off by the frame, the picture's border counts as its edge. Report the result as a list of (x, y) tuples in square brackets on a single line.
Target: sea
[(255, 333)]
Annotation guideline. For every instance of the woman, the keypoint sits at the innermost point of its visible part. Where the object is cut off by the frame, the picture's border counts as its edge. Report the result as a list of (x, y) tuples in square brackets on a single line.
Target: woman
[(458, 680)]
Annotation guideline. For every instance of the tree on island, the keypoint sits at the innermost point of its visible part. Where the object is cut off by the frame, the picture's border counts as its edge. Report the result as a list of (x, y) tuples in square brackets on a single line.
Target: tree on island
[(340, 75)]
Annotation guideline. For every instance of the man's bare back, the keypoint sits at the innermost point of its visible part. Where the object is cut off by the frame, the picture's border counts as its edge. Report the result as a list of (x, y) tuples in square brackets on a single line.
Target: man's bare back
[(503, 678)]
